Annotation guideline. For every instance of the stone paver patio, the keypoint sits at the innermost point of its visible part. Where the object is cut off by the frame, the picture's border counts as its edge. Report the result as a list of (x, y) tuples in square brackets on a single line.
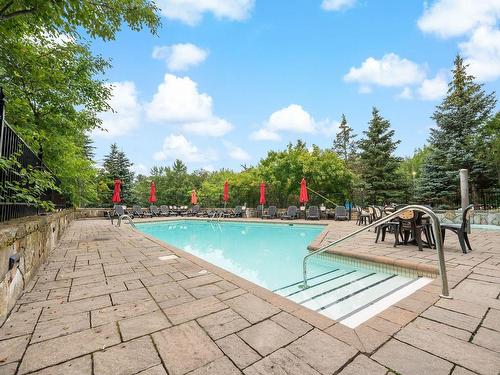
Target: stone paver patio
[(104, 303)]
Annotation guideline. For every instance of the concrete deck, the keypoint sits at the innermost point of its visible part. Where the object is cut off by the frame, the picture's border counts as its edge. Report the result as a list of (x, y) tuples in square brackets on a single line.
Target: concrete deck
[(104, 303)]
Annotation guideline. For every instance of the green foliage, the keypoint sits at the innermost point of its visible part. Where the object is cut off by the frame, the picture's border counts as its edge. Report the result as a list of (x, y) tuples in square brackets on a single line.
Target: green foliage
[(382, 180), (99, 19), (344, 144), (458, 141), (27, 185), (116, 165)]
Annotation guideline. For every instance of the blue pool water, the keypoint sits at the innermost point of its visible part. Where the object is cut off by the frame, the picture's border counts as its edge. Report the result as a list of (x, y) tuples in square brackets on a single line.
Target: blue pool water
[(271, 255)]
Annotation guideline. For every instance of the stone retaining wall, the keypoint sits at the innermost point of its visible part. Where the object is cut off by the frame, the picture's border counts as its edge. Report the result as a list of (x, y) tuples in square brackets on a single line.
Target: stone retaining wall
[(479, 217), (31, 239)]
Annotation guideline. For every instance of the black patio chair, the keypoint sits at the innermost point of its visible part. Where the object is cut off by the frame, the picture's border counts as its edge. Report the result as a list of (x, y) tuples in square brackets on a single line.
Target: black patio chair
[(271, 213), (291, 213), (341, 213), (313, 213), (363, 216), (154, 210), (460, 229)]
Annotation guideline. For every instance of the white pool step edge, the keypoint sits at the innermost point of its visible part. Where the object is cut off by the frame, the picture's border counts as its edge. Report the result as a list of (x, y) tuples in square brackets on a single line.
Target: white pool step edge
[(376, 308)]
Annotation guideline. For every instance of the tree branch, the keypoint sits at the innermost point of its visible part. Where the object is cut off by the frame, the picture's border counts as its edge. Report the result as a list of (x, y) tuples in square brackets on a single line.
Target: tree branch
[(16, 13), (6, 6)]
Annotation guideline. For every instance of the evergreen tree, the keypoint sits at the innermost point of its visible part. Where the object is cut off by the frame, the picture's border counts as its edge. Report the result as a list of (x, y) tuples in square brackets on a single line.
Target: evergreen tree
[(457, 143), (379, 166), (117, 165), (344, 144)]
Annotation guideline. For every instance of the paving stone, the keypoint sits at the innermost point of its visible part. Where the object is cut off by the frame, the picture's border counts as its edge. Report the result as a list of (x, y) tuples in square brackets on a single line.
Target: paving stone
[(9, 369), (267, 336), (383, 325), (19, 323), (413, 304), (126, 358), (185, 347), (59, 293), (252, 308), (291, 323), (487, 338), (192, 310), (465, 354), (321, 351), (156, 280), (219, 366), (222, 323), (406, 359), (155, 370), (492, 320), (397, 315), (312, 317), (34, 296), (205, 291), (199, 281), (176, 301), (231, 294), (441, 328), (85, 271), (143, 324), (60, 349), (226, 285), (41, 304), (463, 307), (461, 371), (11, 350), (362, 365), (130, 296), (121, 312), (280, 362), (452, 318), (52, 284), (69, 308), (346, 335), (77, 366), (88, 279), (239, 352), (86, 291), (133, 284), (169, 291), (61, 327)]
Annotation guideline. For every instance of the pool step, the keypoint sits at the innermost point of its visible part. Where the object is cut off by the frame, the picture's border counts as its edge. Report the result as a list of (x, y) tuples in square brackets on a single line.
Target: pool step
[(345, 294)]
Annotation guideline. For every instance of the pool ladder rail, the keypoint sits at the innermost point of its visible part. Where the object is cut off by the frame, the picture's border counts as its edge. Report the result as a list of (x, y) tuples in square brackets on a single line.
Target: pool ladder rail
[(436, 227), (130, 221)]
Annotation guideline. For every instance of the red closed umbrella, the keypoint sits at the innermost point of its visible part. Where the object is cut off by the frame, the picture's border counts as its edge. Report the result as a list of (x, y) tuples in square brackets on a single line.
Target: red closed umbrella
[(152, 192), (303, 197), (226, 193), (194, 198), (116, 191), (262, 199)]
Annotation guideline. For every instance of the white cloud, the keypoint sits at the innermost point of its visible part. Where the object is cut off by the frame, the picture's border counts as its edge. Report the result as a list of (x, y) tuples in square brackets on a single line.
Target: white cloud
[(178, 147), (448, 18), (180, 56), (336, 5), (126, 114), (139, 169), (264, 134), (391, 71), (406, 93), (235, 152), (482, 53), (191, 11), (178, 101), (475, 20), (433, 89), (293, 119)]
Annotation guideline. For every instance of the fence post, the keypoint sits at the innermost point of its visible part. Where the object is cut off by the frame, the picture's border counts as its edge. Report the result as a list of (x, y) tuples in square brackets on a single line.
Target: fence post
[(464, 191), (2, 116)]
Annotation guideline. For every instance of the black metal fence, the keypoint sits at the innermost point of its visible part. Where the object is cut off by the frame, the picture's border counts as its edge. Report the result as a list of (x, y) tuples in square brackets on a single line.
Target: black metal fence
[(12, 145)]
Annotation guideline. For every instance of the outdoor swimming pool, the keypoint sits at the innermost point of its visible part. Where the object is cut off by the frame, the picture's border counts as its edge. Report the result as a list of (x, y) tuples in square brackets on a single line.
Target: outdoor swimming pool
[(270, 255)]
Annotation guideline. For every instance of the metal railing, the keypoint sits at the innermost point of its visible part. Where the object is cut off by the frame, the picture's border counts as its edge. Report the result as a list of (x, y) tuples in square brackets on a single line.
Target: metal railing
[(12, 145), (436, 227)]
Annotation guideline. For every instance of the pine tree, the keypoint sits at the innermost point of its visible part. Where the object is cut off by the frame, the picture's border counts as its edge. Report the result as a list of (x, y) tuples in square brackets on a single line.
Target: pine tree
[(379, 166), (344, 144), (456, 142), (117, 165)]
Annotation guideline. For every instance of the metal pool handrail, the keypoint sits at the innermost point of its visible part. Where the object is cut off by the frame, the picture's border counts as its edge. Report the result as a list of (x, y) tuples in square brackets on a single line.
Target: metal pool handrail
[(436, 227), (130, 221)]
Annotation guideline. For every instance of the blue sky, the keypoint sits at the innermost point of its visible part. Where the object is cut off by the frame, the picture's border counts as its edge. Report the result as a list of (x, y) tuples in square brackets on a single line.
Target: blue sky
[(227, 80)]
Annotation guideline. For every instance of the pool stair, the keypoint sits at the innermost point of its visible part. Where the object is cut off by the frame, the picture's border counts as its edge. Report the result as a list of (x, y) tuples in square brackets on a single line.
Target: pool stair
[(351, 296)]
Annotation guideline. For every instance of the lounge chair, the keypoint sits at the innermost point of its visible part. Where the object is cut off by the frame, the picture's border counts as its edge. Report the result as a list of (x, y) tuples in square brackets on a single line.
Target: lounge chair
[(164, 211), (271, 213), (154, 210), (119, 210), (192, 212), (291, 213), (139, 211), (238, 211), (313, 213), (460, 229), (341, 213)]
